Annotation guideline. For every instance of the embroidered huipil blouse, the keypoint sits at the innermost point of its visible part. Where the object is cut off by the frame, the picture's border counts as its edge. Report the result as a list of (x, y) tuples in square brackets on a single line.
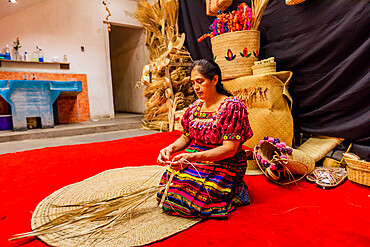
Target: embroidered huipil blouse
[(210, 188), (229, 122)]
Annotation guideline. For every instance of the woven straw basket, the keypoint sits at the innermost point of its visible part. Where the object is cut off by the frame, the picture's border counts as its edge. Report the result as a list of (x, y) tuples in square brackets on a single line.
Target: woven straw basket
[(330, 162), (300, 157), (267, 151), (236, 52), (358, 171), (269, 105), (264, 68)]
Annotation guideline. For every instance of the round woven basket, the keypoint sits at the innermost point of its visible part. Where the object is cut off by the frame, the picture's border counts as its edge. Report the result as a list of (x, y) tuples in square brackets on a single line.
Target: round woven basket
[(236, 52), (144, 225), (264, 68), (358, 171), (297, 166)]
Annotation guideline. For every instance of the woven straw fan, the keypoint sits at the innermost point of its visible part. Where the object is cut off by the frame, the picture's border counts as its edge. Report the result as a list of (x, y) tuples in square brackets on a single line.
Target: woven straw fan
[(112, 208)]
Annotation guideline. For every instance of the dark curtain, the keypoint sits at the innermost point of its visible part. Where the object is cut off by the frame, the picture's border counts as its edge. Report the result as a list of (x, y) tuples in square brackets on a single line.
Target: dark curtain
[(326, 46)]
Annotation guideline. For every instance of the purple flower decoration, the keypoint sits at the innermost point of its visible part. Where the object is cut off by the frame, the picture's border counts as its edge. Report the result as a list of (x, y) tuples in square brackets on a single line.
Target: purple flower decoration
[(279, 167)]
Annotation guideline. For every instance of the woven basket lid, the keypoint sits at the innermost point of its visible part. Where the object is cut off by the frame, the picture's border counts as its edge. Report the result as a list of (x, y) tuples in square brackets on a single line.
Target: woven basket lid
[(146, 224)]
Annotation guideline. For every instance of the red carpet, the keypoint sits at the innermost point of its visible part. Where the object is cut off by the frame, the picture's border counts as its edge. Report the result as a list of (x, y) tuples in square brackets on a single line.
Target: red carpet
[(277, 216)]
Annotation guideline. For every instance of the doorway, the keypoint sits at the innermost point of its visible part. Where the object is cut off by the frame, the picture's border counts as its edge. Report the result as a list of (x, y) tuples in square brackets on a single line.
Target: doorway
[(128, 55)]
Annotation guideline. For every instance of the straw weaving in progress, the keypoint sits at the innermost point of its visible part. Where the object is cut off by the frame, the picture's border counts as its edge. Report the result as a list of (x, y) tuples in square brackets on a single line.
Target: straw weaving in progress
[(141, 225), (211, 188)]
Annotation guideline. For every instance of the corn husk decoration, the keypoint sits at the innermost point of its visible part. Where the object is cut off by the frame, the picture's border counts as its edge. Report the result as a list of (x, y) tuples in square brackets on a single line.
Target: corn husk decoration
[(167, 85)]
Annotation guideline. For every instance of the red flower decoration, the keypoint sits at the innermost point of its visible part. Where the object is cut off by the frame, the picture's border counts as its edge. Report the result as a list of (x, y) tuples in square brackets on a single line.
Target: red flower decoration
[(245, 53), (230, 55)]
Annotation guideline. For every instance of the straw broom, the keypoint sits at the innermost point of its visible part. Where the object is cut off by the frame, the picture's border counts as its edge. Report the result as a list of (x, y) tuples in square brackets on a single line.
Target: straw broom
[(258, 7)]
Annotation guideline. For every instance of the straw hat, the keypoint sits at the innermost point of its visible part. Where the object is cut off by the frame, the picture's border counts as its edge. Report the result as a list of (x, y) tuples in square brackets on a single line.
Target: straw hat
[(145, 224)]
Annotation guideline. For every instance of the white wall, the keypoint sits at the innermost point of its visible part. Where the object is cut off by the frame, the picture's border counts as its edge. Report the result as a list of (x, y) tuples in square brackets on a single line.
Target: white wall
[(62, 27)]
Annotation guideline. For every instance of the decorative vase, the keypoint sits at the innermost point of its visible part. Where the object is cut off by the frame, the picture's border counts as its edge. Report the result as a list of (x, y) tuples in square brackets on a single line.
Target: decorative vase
[(16, 56)]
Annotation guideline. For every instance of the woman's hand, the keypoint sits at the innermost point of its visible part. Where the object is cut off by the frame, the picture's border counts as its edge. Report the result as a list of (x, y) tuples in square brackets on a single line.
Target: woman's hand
[(164, 155), (181, 161)]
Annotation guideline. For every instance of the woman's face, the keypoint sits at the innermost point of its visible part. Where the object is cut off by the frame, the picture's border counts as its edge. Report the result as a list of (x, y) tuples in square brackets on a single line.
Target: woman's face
[(203, 87)]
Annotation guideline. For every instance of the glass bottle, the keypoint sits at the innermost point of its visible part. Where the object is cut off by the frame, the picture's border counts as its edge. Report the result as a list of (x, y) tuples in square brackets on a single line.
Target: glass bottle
[(7, 52)]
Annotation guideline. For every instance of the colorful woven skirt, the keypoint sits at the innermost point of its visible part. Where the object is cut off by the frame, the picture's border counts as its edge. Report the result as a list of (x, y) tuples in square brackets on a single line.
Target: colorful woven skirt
[(208, 189)]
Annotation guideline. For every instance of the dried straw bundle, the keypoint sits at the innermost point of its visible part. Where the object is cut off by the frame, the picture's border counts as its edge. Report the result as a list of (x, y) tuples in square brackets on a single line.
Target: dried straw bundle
[(160, 23), (258, 7), (167, 85)]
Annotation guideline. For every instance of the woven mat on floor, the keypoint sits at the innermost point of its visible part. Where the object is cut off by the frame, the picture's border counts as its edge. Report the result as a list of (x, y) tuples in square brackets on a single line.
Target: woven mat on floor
[(146, 224)]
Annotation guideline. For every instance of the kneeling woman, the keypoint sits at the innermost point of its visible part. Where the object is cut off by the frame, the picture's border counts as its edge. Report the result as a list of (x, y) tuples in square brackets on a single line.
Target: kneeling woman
[(208, 179)]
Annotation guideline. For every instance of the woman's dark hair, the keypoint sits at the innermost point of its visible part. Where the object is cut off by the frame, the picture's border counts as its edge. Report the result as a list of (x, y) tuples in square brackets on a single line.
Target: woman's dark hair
[(208, 68)]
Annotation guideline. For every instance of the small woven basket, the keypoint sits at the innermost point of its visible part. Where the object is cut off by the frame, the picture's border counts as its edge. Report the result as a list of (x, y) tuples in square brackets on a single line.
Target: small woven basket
[(264, 68), (358, 171), (330, 162), (236, 52)]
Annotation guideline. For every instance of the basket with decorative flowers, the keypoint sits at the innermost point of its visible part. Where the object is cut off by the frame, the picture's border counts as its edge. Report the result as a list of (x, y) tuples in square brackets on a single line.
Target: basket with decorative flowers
[(236, 40), (280, 163)]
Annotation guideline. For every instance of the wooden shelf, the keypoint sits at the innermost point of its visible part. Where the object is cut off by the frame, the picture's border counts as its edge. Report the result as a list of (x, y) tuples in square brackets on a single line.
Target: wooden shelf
[(61, 65)]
